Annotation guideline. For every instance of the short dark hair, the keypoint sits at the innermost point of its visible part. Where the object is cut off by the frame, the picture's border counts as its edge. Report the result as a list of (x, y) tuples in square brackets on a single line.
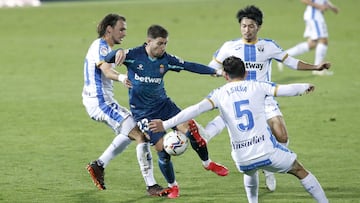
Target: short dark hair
[(110, 19), (234, 67), (155, 31), (251, 12)]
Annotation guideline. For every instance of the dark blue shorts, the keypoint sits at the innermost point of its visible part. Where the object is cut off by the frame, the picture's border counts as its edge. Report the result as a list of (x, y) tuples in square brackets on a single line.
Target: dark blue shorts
[(165, 111)]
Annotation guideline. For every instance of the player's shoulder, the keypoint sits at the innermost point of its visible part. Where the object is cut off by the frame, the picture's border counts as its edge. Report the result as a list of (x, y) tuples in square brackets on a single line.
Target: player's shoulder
[(268, 42)]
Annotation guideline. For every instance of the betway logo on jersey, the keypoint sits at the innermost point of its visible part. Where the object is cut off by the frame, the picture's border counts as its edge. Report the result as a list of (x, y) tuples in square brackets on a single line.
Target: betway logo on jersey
[(148, 79), (254, 65), (247, 143)]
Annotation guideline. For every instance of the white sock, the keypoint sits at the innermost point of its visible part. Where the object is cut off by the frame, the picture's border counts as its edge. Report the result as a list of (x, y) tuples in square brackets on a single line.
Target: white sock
[(117, 146), (144, 158), (251, 184), (312, 186), (320, 53), (298, 49), (214, 127)]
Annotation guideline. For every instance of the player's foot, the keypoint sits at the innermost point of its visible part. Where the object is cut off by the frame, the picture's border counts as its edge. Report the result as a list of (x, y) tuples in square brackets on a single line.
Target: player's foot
[(270, 181), (280, 66), (174, 192), (97, 174), (157, 190), (195, 133), (324, 72), (218, 169)]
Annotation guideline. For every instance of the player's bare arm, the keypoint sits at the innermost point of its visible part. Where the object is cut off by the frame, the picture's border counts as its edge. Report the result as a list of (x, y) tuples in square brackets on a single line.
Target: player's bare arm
[(307, 66), (112, 74)]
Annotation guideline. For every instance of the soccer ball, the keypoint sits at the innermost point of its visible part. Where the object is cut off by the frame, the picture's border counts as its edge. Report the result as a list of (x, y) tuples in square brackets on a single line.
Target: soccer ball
[(175, 143)]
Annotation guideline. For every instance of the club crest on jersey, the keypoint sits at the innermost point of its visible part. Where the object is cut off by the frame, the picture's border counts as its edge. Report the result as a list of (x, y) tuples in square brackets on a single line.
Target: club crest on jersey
[(103, 51), (162, 68), (260, 48)]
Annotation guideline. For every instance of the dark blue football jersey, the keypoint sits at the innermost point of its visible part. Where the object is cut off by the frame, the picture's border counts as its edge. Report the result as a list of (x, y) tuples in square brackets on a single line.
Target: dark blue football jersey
[(146, 75)]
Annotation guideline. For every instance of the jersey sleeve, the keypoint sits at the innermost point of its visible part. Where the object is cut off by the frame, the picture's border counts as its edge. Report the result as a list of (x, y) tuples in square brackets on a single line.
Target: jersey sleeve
[(292, 89), (219, 56), (177, 64), (277, 52)]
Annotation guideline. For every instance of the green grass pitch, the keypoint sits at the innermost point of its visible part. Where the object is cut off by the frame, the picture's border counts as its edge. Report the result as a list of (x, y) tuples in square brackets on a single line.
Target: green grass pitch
[(46, 137)]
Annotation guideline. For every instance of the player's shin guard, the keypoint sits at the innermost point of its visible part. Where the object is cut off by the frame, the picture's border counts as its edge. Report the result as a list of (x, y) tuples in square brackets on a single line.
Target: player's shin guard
[(200, 150), (144, 157), (166, 166)]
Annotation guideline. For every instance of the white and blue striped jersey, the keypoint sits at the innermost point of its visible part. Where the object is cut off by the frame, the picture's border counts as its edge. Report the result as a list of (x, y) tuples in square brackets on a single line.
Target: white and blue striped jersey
[(242, 106), (256, 56), (311, 13), (97, 88)]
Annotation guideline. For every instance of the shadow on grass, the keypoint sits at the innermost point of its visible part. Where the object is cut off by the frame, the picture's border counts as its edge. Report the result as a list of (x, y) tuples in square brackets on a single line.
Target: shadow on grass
[(94, 197)]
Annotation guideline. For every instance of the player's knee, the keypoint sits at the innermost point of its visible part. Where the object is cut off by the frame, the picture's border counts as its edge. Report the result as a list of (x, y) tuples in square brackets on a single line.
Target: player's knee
[(298, 170), (136, 134)]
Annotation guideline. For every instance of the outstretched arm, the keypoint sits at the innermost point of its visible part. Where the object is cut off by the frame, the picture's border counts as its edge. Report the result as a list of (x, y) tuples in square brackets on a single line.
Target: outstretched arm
[(294, 89), (188, 113), (201, 69)]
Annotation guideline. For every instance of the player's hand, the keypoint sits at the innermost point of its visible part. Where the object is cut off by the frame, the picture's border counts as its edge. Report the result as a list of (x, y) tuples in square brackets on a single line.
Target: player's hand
[(218, 73), (127, 83), (324, 65), (156, 126), (120, 57)]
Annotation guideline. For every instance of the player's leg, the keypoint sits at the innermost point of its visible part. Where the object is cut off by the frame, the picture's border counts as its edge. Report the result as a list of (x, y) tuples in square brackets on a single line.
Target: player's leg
[(320, 54), (277, 125), (144, 157), (251, 185), (112, 116), (309, 182), (199, 146), (166, 167), (284, 161), (278, 128)]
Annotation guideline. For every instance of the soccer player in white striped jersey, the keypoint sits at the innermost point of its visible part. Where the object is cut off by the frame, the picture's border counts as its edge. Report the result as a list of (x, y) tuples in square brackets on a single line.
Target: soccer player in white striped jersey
[(100, 104), (257, 55), (316, 32), (241, 103)]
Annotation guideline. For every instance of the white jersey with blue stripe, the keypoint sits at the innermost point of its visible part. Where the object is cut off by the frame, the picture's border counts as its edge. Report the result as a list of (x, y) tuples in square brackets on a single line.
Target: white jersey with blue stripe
[(97, 88), (256, 56), (241, 105), (311, 13)]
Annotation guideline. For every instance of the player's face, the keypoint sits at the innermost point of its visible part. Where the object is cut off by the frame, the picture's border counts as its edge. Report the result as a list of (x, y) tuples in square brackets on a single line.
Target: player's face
[(249, 29), (156, 47), (118, 32)]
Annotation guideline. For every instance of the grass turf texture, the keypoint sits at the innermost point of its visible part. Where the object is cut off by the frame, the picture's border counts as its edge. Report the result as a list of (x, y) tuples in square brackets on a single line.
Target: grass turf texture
[(47, 137)]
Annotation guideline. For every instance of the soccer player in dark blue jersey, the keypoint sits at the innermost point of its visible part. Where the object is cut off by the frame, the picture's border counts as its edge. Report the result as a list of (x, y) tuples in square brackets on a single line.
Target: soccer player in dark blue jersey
[(147, 65)]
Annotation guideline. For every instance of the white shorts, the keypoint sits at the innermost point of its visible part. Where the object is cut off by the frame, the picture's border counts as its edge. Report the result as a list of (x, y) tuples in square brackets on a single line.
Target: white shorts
[(315, 29), (271, 108), (280, 161), (115, 116)]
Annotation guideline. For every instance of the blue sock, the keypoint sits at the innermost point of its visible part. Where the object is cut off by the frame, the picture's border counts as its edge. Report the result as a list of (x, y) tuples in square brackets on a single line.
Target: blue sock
[(166, 166), (201, 151)]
